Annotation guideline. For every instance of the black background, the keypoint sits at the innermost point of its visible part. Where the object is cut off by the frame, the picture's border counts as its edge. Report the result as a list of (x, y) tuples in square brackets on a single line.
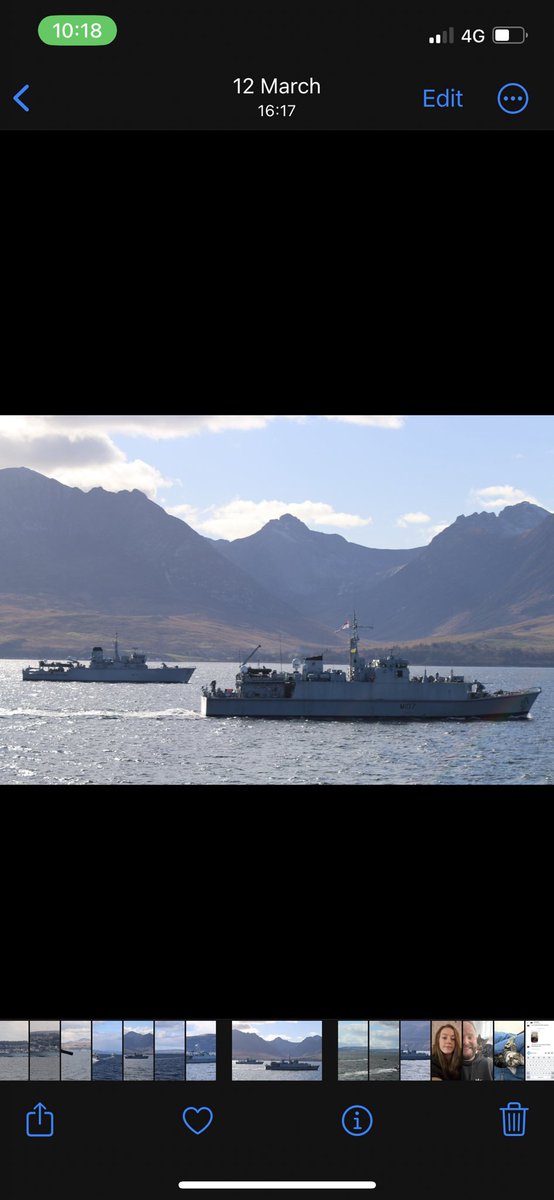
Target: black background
[(172, 66), (318, 912)]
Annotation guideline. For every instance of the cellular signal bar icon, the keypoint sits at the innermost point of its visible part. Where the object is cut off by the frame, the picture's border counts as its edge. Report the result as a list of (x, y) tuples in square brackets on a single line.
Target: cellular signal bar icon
[(442, 39)]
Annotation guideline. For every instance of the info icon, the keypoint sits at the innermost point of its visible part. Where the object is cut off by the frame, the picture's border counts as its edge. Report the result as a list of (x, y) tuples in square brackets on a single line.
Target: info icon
[(357, 1120)]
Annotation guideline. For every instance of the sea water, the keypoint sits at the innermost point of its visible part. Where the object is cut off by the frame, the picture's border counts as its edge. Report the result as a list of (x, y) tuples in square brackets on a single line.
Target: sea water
[(170, 1065), (415, 1069), (14, 1066), (152, 734), (107, 1066), (353, 1063), (76, 1065), (136, 1069), (252, 1071), (200, 1072), (383, 1066)]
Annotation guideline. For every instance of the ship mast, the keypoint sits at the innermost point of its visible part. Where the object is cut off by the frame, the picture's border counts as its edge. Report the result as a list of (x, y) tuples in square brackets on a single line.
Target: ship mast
[(354, 641)]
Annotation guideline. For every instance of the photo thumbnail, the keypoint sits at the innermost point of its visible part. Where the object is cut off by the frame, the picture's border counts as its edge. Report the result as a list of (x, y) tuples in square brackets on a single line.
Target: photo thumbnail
[(200, 1051), (138, 1050), (415, 1050), (76, 1050), (169, 1048), (446, 1050), (14, 1050), (44, 1050), (477, 1051), (107, 1050), (509, 1050), (384, 1051), (353, 1058), (277, 1050), (539, 1050)]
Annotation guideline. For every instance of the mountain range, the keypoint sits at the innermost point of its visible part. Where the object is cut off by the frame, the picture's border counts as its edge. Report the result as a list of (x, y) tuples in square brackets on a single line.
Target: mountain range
[(75, 567), (138, 1041), (251, 1045), (201, 1041)]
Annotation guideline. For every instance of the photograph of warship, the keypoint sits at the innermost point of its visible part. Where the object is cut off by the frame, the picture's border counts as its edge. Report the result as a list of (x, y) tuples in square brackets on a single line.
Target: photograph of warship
[(381, 689), (200, 1056), (122, 668)]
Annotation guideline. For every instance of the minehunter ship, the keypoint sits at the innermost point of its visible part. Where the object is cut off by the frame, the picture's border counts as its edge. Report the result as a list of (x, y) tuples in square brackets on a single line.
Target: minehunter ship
[(381, 689), (200, 1056), (122, 668)]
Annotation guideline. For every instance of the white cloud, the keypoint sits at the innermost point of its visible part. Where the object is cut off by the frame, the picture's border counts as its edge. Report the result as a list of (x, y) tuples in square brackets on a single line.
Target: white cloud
[(77, 449), (353, 1033), (186, 511), (13, 1031), (197, 1028), (84, 460), (248, 1027), (500, 495), (105, 1038), (79, 452), (380, 422), (240, 518), (412, 518), (54, 450), (434, 530), (158, 426), (118, 477)]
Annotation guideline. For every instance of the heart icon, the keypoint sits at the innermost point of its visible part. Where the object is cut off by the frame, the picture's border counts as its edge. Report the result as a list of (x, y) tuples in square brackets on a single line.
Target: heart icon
[(198, 1119)]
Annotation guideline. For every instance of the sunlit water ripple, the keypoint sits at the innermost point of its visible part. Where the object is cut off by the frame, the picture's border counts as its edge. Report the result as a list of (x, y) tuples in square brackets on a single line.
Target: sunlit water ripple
[(96, 733)]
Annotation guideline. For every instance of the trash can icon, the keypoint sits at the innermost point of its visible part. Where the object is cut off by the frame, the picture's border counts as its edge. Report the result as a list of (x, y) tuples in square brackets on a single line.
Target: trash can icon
[(513, 1119)]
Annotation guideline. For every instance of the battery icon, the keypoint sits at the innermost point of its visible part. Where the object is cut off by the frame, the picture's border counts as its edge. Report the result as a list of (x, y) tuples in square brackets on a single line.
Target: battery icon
[(509, 35)]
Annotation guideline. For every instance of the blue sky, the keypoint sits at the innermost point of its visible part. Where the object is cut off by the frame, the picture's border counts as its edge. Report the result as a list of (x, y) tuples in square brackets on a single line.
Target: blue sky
[(388, 481), (293, 1031), (73, 1031), (107, 1036), (170, 1036), (199, 1028), (383, 1035), (353, 1033), (415, 1034)]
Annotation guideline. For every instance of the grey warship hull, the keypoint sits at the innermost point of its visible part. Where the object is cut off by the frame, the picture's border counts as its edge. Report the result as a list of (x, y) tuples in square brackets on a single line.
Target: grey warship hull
[(365, 708), (109, 675)]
